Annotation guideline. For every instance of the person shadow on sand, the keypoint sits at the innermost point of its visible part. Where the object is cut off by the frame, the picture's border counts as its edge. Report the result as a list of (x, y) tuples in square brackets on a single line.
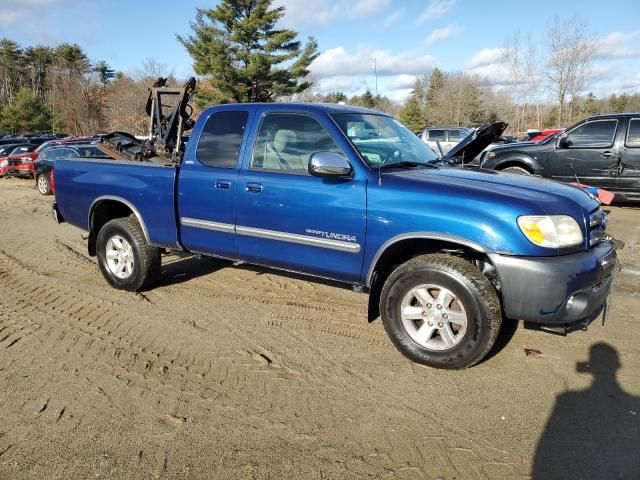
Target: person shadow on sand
[(592, 433)]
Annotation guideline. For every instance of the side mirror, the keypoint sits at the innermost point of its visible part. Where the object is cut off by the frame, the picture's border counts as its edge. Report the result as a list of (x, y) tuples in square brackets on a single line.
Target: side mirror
[(329, 164), (564, 142)]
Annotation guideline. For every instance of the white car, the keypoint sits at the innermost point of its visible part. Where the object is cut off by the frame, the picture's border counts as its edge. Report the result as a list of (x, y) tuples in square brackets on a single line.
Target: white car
[(447, 137)]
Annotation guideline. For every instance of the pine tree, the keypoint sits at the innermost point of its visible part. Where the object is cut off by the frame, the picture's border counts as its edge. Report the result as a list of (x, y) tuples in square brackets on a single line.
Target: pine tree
[(105, 73), (38, 61), (474, 111), (335, 97), (413, 113), (244, 55), (591, 104), (11, 63), (71, 58), (367, 99), (437, 81), (27, 114)]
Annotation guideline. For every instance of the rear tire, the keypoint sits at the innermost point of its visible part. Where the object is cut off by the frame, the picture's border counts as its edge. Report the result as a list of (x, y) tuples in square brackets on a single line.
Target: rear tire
[(516, 170), (43, 184), (441, 311), (127, 261)]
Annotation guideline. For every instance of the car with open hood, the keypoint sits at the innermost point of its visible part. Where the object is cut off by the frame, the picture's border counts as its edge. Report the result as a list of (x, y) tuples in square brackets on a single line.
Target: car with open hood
[(601, 151)]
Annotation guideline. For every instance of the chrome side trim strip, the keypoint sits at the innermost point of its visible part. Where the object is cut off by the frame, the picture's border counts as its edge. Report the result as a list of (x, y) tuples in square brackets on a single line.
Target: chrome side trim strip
[(300, 239), (207, 225), (339, 245)]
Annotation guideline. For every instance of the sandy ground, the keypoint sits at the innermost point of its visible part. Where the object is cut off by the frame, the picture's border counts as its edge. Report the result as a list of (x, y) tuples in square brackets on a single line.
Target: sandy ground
[(238, 372)]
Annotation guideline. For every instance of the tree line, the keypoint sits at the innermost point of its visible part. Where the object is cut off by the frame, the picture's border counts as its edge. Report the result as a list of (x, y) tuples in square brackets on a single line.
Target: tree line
[(241, 54), (459, 99), (44, 89), (543, 86)]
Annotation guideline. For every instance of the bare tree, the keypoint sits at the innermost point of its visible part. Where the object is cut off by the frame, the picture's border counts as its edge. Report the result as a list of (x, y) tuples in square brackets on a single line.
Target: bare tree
[(77, 103), (532, 77), (571, 52), (151, 69), (512, 62), (125, 106)]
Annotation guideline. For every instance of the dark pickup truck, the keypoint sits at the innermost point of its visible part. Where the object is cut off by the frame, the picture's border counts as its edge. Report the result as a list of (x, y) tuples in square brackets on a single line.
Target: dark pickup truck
[(601, 151)]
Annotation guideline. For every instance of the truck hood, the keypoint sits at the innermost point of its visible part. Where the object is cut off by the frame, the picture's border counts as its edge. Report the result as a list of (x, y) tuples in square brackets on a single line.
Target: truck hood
[(474, 143), (549, 196), (518, 146)]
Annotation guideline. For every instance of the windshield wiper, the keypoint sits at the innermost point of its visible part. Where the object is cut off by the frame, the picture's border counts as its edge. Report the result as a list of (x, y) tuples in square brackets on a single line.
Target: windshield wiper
[(406, 163)]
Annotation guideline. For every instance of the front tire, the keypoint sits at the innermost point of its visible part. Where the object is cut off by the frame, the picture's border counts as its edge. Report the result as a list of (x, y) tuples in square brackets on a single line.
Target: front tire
[(127, 261), (441, 311), (43, 184)]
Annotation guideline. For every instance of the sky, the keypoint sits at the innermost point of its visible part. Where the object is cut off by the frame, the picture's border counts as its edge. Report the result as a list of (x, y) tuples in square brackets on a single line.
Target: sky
[(400, 39)]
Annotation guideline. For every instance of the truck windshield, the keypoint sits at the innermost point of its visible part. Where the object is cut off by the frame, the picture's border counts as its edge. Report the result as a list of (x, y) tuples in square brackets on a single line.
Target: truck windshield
[(382, 140)]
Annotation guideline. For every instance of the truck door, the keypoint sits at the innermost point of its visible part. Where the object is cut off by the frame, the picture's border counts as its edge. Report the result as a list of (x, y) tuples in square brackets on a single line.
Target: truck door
[(590, 151), (207, 184), (629, 168), (290, 219)]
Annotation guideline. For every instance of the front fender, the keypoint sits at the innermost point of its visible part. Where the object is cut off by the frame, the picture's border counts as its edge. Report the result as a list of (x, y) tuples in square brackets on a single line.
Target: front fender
[(529, 161)]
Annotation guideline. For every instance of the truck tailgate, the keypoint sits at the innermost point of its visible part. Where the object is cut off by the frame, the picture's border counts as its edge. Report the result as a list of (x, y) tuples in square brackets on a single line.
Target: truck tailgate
[(146, 187)]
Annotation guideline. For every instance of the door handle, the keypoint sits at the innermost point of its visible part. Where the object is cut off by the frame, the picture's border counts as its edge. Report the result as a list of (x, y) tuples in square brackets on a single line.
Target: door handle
[(606, 154), (253, 187), (223, 184)]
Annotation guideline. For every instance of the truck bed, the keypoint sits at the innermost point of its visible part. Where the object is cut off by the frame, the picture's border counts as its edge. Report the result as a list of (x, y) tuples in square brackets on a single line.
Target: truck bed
[(147, 187)]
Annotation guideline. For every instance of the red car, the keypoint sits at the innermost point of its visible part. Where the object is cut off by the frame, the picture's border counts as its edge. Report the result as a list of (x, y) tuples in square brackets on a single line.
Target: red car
[(21, 164), (8, 149), (537, 135), (13, 163)]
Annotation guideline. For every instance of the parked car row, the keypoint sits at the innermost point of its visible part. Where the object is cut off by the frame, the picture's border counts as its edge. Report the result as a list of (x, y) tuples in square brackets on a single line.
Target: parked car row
[(32, 139), (33, 160), (44, 166)]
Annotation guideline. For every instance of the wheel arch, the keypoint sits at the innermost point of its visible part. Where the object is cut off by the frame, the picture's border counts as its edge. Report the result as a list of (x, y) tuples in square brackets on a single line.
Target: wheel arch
[(402, 248), (106, 208), (524, 161)]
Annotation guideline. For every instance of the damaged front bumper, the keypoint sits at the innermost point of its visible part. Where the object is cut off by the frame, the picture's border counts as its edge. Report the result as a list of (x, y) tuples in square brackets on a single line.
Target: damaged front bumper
[(557, 290)]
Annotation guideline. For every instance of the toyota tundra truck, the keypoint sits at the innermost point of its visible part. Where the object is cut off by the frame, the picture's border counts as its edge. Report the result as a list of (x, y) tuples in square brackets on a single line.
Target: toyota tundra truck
[(350, 194)]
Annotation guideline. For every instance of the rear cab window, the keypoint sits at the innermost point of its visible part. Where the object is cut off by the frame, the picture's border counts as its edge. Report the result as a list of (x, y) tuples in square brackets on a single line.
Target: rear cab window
[(221, 139)]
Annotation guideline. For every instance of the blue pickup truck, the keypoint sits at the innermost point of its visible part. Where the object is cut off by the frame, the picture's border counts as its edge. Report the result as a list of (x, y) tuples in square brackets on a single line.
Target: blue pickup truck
[(351, 195)]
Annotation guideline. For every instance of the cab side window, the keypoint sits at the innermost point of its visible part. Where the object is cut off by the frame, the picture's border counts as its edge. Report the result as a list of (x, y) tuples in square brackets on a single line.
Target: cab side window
[(65, 153), (221, 139), (633, 134), (455, 135), (436, 135), (598, 133), (286, 141)]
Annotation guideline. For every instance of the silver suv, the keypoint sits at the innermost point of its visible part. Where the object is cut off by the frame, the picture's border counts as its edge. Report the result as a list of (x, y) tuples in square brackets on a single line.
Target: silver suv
[(448, 137)]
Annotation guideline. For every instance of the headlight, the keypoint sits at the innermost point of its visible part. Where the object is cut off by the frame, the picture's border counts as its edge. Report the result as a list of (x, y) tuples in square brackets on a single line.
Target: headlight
[(553, 231), (490, 155)]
